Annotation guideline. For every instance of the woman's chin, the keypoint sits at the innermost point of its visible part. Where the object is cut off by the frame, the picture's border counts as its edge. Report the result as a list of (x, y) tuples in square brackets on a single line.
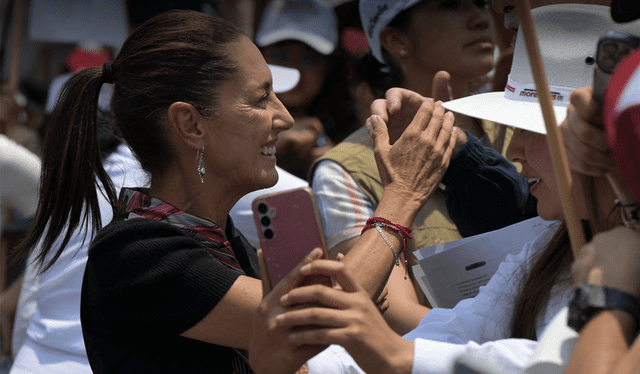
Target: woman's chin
[(550, 216), (270, 178)]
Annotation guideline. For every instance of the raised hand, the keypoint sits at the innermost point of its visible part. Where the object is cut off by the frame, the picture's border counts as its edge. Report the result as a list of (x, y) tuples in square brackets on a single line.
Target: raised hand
[(414, 165), (584, 137), (616, 253)]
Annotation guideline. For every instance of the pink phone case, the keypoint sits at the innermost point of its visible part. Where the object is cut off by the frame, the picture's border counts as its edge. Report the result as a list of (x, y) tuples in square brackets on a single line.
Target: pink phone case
[(289, 227)]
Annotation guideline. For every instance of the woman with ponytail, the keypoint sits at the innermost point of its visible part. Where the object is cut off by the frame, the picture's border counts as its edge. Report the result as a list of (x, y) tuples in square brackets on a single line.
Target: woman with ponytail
[(170, 285)]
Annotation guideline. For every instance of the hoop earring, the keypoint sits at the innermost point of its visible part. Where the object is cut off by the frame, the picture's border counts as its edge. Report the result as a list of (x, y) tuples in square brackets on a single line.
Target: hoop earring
[(201, 164)]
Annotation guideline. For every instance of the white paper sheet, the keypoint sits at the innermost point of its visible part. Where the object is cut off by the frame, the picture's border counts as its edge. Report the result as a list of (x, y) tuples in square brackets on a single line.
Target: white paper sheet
[(450, 272)]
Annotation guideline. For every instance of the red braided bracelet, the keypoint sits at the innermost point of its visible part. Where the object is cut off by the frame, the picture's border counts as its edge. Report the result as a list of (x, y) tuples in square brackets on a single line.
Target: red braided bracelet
[(403, 231)]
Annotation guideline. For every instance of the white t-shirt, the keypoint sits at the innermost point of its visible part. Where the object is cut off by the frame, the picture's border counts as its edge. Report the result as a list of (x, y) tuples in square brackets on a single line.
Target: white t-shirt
[(19, 178), (47, 335), (477, 326)]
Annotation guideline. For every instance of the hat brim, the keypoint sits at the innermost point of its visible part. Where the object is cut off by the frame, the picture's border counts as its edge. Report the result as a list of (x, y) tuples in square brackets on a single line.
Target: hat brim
[(284, 79), (493, 106), (318, 43)]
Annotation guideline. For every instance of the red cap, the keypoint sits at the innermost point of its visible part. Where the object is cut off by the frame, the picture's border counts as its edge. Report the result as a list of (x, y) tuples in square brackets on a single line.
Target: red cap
[(81, 58), (621, 110)]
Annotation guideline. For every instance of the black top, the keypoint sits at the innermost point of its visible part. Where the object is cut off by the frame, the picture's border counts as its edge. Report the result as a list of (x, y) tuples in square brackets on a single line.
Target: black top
[(145, 283), (485, 191)]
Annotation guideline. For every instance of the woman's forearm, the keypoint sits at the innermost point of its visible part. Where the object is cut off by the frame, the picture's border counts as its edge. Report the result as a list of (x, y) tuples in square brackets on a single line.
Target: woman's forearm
[(371, 259), (603, 342)]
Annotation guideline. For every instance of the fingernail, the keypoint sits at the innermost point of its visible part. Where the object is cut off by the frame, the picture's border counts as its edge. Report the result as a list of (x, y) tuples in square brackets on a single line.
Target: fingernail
[(305, 269), (279, 318), (283, 299)]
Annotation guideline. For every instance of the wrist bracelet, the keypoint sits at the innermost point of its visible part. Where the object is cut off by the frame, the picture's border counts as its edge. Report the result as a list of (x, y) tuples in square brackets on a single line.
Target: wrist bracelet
[(395, 254), (404, 232)]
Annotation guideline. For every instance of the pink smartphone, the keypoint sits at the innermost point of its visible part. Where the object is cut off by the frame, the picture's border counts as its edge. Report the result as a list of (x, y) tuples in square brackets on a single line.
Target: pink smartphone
[(289, 227)]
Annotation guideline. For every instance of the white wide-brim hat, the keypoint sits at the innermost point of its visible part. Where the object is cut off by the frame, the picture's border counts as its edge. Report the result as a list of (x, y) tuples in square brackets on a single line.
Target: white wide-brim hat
[(307, 21), (567, 35), (284, 78)]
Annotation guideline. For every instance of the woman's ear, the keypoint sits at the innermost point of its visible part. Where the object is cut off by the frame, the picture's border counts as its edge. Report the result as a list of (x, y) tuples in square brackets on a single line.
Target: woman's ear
[(187, 123), (396, 42)]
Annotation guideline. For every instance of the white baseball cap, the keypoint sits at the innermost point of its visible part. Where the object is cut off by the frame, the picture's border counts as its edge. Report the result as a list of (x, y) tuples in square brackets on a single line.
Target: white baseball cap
[(308, 21), (376, 15), (568, 35)]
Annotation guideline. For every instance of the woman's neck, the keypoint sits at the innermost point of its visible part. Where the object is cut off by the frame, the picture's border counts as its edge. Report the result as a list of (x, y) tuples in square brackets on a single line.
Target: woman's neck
[(193, 197)]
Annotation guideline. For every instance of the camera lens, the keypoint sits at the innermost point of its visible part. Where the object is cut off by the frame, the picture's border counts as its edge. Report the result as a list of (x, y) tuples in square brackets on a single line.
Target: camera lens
[(262, 208), (265, 221), (610, 48), (268, 233)]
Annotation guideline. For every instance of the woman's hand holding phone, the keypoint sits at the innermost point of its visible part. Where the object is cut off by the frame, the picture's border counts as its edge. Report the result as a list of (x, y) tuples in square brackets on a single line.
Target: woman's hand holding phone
[(344, 315), (271, 350)]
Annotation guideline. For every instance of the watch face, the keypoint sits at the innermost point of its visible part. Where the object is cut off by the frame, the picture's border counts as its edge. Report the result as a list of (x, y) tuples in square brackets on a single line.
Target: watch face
[(576, 311), (594, 296), (586, 300), (589, 298)]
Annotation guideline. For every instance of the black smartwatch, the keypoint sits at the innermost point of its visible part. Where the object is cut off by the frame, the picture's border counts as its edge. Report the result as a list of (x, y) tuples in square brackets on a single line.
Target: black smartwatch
[(590, 298)]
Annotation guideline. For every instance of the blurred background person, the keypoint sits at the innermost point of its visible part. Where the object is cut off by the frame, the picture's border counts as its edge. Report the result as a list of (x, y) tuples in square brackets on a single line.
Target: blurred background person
[(304, 35)]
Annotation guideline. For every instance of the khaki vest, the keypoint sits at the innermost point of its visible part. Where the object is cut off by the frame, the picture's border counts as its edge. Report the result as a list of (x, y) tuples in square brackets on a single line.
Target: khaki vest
[(431, 226)]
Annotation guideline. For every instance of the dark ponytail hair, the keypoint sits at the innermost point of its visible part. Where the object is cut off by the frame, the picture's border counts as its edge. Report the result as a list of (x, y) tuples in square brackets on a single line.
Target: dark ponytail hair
[(179, 55), (555, 261)]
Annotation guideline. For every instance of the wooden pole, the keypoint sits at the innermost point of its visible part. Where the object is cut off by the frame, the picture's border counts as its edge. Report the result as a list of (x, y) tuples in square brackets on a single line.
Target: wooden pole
[(554, 138), (18, 16)]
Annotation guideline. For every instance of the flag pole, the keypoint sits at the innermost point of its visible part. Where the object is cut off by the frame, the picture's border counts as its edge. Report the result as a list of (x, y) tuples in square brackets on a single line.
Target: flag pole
[(554, 138)]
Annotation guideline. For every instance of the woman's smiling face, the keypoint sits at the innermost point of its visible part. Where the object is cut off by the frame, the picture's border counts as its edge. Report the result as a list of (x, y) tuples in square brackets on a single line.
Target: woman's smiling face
[(531, 150), (247, 123)]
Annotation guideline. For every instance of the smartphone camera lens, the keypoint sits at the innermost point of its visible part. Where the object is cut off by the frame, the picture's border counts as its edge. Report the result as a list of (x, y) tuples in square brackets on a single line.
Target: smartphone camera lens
[(268, 233), (262, 208), (265, 221)]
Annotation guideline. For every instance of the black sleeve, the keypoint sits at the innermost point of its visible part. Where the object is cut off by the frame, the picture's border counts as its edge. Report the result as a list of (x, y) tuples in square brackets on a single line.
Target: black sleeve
[(484, 191), (145, 278)]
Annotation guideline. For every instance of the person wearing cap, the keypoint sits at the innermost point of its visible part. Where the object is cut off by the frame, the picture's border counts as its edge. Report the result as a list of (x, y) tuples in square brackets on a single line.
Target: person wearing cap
[(410, 42), (170, 285), (303, 34), (501, 324)]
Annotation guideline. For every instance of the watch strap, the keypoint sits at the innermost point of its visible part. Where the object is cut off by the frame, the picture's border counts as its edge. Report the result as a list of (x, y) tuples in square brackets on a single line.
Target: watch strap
[(590, 298)]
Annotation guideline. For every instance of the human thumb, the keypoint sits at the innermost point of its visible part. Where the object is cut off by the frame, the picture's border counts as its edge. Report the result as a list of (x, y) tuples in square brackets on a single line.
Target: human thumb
[(440, 87)]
